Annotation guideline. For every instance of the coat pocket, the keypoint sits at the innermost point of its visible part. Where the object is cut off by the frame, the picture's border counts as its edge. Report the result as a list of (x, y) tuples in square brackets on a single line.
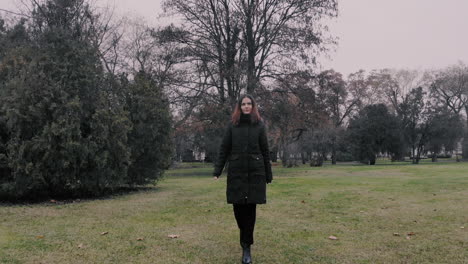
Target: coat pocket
[(235, 163), (257, 160)]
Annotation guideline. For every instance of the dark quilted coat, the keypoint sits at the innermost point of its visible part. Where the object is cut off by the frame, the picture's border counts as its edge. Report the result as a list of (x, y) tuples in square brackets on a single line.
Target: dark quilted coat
[(245, 148)]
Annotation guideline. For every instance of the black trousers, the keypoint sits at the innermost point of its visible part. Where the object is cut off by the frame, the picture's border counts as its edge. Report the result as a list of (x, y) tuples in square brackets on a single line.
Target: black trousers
[(245, 216)]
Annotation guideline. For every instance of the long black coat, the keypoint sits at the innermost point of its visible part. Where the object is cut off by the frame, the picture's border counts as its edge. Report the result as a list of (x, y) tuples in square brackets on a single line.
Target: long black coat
[(245, 147)]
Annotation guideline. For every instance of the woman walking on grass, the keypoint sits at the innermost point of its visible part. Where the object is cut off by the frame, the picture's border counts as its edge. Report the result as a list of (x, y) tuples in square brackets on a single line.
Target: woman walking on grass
[(245, 147)]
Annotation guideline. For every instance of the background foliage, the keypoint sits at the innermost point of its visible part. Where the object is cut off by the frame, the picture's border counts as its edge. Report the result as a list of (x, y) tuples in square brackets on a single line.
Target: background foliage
[(68, 127), (90, 102)]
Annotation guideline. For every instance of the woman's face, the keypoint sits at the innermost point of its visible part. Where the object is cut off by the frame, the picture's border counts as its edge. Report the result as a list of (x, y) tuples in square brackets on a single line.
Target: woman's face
[(246, 106)]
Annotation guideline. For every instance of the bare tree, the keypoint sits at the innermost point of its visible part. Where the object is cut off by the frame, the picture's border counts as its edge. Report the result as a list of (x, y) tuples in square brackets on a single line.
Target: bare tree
[(395, 85), (281, 30), (337, 101), (451, 89), (292, 110), (358, 85), (251, 37), (211, 33)]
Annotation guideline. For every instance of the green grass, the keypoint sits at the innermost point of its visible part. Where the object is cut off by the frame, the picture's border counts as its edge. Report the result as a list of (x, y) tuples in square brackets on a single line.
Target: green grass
[(361, 205)]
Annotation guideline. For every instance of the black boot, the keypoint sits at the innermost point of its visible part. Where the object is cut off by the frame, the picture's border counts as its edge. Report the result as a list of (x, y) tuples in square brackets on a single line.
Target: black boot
[(246, 257)]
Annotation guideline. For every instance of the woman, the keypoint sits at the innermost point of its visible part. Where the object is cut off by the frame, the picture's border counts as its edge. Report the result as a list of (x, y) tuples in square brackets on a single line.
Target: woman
[(245, 146)]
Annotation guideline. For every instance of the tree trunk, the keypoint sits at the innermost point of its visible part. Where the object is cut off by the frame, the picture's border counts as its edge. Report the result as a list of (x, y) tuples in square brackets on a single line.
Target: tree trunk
[(251, 50), (465, 146), (333, 155), (274, 154), (284, 158), (372, 159), (465, 136), (420, 150)]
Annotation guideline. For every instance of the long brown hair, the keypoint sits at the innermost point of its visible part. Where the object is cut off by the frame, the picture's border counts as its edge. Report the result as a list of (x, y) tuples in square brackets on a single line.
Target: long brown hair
[(254, 114)]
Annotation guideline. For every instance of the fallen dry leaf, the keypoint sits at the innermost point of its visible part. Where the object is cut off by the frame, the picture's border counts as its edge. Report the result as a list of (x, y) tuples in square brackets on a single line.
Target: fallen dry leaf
[(462, 227), (411, 234), (408, 237), (396, 234), (104, 233), (302, 201), (80, 245), (333, 238), (140, 239), (173, 236), (40, 237)]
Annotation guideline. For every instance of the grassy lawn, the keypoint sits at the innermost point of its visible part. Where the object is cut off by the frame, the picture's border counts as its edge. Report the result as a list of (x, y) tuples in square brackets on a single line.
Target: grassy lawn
[(370, 209)]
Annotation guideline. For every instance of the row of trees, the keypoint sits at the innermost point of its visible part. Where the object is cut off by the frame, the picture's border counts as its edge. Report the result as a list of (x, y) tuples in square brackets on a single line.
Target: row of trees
[(399, 113), (88, 102), (268, 48), (69, 124), (230, 47)]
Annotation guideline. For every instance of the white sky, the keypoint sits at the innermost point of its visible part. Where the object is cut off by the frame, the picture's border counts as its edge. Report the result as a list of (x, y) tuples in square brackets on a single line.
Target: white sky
[(373, 34), (400, 34)]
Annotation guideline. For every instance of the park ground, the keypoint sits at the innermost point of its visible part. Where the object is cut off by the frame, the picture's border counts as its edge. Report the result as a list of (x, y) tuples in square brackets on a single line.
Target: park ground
[(387, 213)]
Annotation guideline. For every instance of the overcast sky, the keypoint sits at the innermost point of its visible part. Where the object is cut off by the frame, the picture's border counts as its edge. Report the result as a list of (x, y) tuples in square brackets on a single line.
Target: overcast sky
[(373, 34)]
